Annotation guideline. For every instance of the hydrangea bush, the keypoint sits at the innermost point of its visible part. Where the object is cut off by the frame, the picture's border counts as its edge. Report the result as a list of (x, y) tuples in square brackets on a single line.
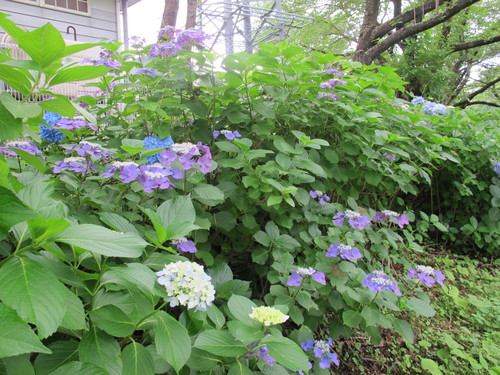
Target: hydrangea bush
[(188, 220)]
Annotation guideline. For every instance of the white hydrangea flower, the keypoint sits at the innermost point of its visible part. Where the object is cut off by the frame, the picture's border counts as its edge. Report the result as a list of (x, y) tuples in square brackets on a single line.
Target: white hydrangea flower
[(187, 284)]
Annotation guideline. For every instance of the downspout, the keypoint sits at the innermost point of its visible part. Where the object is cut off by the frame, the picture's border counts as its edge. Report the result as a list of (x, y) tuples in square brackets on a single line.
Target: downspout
[(118, 19), (125, 23)]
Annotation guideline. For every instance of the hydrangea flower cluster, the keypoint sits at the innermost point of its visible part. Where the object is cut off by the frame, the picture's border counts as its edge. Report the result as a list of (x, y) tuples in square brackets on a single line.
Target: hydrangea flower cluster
[(331, 83), (188, 155), (327, 95), (323, 351), (268, 316), (344, 251), (496, 168), (262, 353), (183, 245), (187, 284), (355, 219), (323, 198), (334, 71), (156, 142), (390, 156), (71, 124), (299, 273), (23, 145), (127, 170), (105, 60), (400, 219), (85, 148), (76, 164), (427, 275), (172, 40), (137, 41), (49, 134), (147, 71), (378, 281), (417, 100), (429, 107), (228, 134)]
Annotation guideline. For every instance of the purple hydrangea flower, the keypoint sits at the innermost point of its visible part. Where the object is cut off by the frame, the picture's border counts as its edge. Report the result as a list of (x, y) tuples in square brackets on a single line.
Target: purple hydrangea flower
[(163, 49), (108, 63), (496, 168), (439, 110), (334, 72), (378, 281), (183, 245), (167, 33), (137, 41), (322, 350), (427, 275), (95, 150), (262, 353), (71, 124), (186, 38), (148, 71), (327, 95), (323, 198), (400, 219), (26, 146), (299, 273), (75, 164), (331, 83), (156, 176), (355, 219), (344, 251), (128, 170), (188, 154), (390, 156), (228, 134), (156, 142), (417, 100)]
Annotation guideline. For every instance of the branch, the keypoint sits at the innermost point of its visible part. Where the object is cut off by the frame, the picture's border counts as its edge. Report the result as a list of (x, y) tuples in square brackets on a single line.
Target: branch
[(464, 103), (475, 43), (408, 31), (481, 102)]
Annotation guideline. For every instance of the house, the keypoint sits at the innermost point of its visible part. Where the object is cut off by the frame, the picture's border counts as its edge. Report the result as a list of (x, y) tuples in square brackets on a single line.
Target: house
[(77, 20)]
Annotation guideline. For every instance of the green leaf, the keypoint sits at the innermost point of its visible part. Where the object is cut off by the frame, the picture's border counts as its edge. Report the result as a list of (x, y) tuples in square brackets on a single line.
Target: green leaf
[(373, 178), (134, 276), (404, 329), (31, 159), (274, 200), (137, 360), (10, 127), (431, 366), (245, 333), (62, 352), (12, 211), (117, 222), (216, 316), (60, 104), (16, 336), (371, 315), (265, 109), (220, 343), (202, 361), (80, 368), (78, 73), (113, 321), (208, 194), (74, 318), (10, 27), (19, 109), (225, 220), (286, 353), (179, 229), (42, 229), (44, 45), (178, 209), (101, 350), (34, 292), (99, 240), (421, 307), (19, 365), (239, 369), (172, 340), (351, 318), (18, 79), (241, 307)]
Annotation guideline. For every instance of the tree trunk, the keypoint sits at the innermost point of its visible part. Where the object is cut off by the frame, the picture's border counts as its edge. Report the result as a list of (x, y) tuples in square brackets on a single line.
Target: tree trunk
[(170, 13), (366, 40), (191, 14)]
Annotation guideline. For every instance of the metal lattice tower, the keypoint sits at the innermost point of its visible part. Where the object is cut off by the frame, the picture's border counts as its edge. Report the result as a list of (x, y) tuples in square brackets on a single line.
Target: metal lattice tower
[(241, 26)]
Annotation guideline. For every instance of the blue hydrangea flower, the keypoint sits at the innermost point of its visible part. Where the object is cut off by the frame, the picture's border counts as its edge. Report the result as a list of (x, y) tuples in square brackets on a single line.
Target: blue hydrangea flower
[(51, 135), (51, 118), (378, 281), (439, 110), (156, 142), (148, 71), (417, 100), (85, 148), (355, 219), (427, 275), (344, 251), (496, 168), (299, 273), (323, 351)]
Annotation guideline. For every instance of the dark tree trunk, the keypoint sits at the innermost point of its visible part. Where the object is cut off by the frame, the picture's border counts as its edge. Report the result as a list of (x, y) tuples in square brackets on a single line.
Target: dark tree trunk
[(191, 14), (170, 13)]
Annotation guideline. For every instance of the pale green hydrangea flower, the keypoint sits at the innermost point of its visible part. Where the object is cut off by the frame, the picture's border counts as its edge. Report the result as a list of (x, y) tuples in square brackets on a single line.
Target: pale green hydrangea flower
[(268, 315)]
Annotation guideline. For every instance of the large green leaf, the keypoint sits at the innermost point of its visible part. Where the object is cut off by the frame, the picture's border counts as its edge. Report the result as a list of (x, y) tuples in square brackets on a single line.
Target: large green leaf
[(208, 194), (239, 369), (286, 353), (38, 195), (137, 360), (44, 45), (80, 368), (102, 350), (60, 104), (34, 292), (404, 329), (12, 211), (135, 276), (16, 336), (19, 109), (100, 240), (112, 320), (62, 353), (172, 340), (10, 127), (421, 307), (10, 27), (74, 318), (19, 365), (220, 343), (17, 78), (78, 73), (179, 209), (202, 361), (241, 307)]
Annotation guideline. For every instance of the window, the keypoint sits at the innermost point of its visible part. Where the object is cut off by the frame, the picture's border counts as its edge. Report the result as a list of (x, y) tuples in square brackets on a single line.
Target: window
[(73, 6)]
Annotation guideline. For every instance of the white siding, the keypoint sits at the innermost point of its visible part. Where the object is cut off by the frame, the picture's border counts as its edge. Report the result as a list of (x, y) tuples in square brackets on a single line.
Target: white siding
[(101, 23)]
